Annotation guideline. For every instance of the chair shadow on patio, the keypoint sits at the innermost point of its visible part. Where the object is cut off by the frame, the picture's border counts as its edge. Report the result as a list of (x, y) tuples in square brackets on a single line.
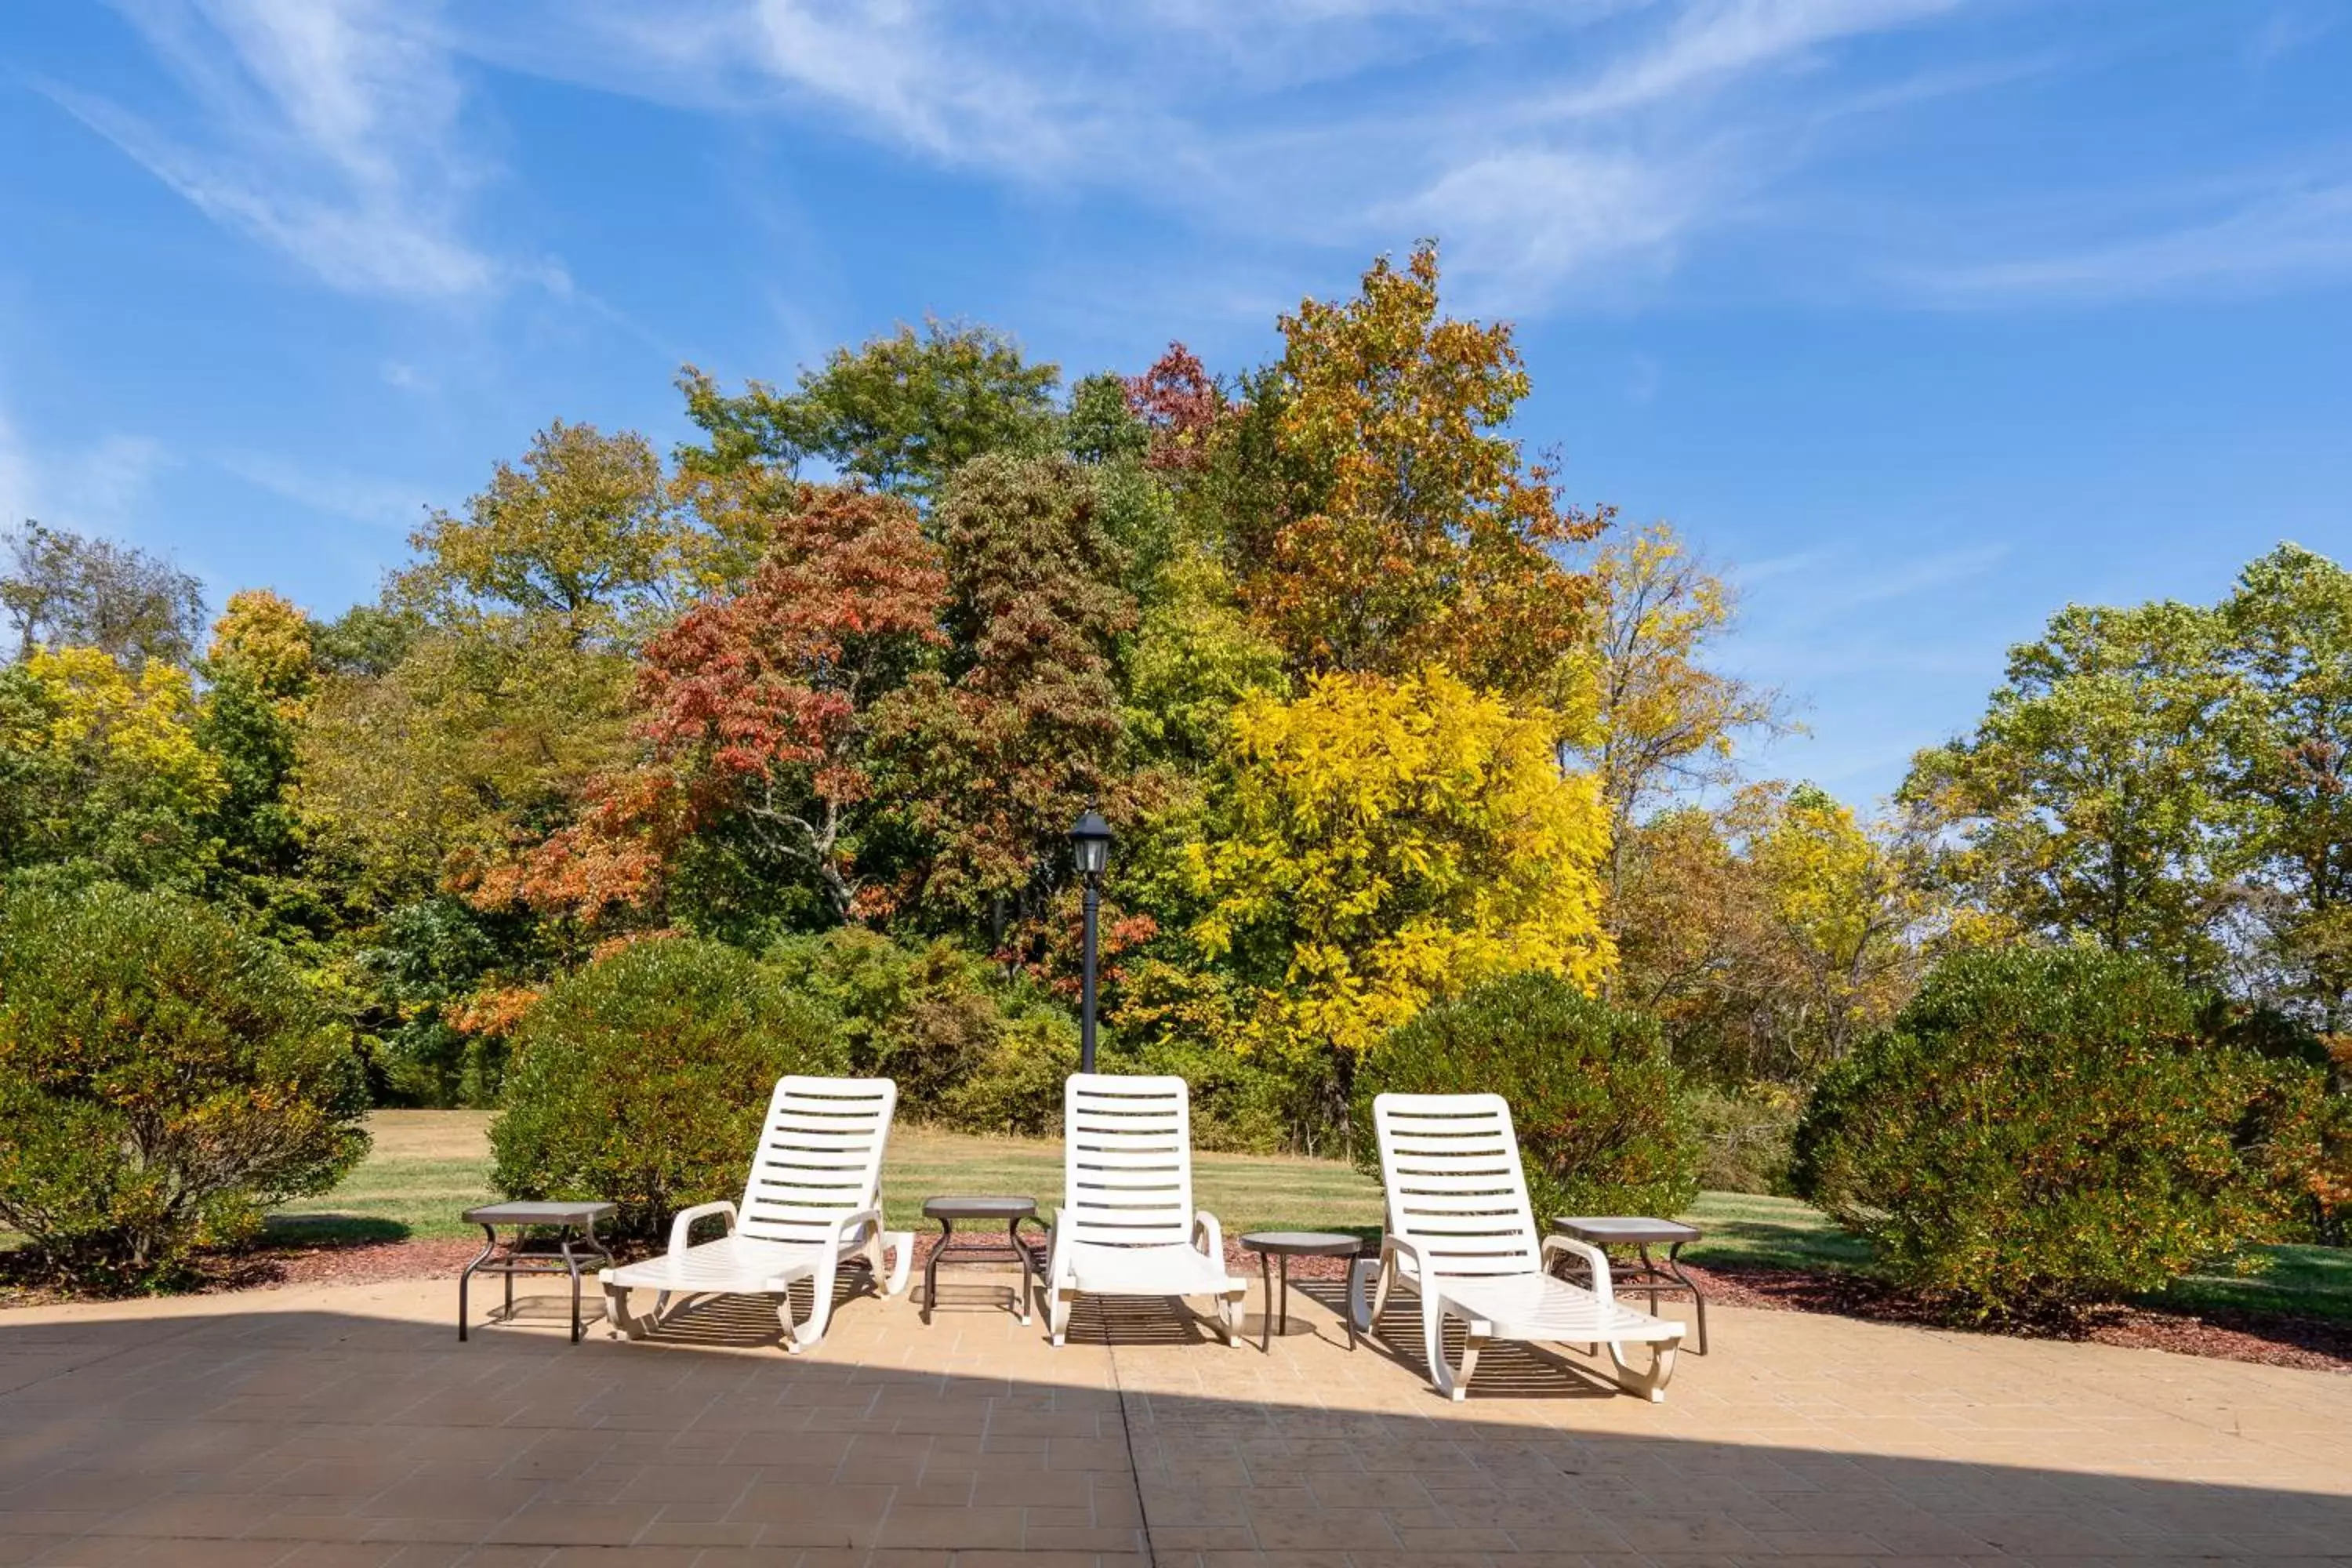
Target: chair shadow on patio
[(1507, 1369)]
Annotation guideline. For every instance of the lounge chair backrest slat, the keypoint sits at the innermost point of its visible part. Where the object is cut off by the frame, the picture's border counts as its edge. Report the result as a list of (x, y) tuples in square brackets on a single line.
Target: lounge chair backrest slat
[(1127, 1160), (1455, 1189), (820, 1157)]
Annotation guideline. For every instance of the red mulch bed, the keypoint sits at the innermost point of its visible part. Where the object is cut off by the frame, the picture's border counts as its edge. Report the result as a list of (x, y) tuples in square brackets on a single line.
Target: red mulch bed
[(2315, 1344)]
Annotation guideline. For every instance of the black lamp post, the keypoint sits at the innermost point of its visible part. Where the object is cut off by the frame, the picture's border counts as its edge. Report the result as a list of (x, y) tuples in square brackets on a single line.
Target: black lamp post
[(1090, 849)]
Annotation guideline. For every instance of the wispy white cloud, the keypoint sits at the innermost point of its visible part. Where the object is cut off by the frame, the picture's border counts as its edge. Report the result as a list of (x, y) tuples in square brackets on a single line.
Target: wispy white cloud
[(328, 130), (2299, 231), (99, 487), (334, 491), (1547, 143), (1711, 45)]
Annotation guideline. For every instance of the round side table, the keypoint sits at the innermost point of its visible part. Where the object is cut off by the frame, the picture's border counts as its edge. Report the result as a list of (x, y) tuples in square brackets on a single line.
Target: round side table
[(1286, 1245), (1011, 1211)]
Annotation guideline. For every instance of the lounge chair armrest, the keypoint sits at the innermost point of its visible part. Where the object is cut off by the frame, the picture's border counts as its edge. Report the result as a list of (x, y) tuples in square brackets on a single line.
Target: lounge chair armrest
[(1209, 1235), (1598, 1259), (681, 1224), (844, 1229), (1392, 1243)]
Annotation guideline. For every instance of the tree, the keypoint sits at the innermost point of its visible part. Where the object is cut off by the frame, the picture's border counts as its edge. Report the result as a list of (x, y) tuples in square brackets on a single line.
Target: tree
[(104, 765), (996, 756), (755, 713), (469, 712), (1769, 934), (1381, 843), (901, 413), (1415, 533), (2084, 803), (1666, 724), (62, 590), (2286, 760), (585, 531), (262, 668)]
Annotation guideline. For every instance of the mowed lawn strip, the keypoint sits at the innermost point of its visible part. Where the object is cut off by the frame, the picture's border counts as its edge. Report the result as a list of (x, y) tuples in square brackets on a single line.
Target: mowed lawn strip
[(429, 1166)]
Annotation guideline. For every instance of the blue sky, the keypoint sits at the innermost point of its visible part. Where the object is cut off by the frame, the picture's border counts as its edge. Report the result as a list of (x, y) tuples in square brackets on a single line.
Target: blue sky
[(1921, 316)]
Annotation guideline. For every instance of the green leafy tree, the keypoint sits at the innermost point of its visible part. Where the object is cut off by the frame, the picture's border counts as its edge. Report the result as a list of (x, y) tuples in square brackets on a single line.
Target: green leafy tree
[(583, 532), (61, 589), (2287, 758), (2084, 804), (900, 412)]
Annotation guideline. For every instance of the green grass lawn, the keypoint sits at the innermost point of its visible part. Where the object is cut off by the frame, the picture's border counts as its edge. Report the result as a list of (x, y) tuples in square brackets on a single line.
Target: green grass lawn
[(430, 1165)]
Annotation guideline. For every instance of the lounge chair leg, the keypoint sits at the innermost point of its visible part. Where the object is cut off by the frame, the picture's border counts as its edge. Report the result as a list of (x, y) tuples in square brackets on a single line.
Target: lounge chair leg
[(1471, 1345), (1651, 1384), (1380, 1294), (1057, 1313), (901, 1244), (616, 1312), (1432, 1338), (807, 1335), (1229, 1318), (1360, 1312)]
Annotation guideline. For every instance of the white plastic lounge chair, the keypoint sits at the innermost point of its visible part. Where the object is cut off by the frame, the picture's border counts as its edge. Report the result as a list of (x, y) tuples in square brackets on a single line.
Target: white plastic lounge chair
[(1462, 1233), (1127, 1226), (814, 1202)]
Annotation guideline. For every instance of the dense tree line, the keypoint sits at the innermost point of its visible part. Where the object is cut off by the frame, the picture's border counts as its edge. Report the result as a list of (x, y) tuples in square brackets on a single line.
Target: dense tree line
[(1378, 710)]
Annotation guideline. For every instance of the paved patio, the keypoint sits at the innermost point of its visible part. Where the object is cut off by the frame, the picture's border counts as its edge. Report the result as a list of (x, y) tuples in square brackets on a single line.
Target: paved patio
[(347, 1426)]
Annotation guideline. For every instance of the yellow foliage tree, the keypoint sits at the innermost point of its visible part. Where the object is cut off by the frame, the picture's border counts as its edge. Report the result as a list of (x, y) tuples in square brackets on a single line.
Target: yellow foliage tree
[(1664, 721), (1389, 843), (266, 641), (104, 765)]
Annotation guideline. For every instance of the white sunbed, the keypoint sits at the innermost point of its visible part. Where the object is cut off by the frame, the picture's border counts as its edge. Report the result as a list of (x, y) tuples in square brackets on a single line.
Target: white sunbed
[(812, 1204), (1462, 1235), (1127, 1226)]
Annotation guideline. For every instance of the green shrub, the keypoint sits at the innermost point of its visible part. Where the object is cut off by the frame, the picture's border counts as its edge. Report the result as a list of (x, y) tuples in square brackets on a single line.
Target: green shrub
[(1600, 1110), (2041, 1129), (921, 1016), (642, 1080), (1017, 1090), (164, 1078), (1747, 1137)]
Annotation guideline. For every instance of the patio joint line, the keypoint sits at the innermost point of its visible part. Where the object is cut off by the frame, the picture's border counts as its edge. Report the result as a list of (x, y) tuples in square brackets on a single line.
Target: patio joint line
[(1134, 1473)]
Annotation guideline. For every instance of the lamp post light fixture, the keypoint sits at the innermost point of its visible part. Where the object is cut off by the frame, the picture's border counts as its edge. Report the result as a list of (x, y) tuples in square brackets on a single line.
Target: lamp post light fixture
[(1090, 851)]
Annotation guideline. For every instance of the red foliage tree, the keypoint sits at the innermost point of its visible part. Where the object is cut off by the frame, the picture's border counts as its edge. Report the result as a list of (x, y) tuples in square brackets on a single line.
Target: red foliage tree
[(757, 711), (1178, 402)]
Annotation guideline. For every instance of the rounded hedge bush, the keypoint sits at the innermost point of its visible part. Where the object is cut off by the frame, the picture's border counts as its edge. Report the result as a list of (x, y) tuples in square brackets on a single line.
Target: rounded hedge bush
[(642, 1080), (2041, 1129), (1602, 1123), (165, 1079)]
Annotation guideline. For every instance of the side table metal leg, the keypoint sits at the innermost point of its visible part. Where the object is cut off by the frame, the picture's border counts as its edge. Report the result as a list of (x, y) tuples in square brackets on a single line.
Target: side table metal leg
[(931, 1270), (1699, 1302), (489, 1246), (1265, 1318), (1285, 1295), (571, 1267), (1028, 1276)]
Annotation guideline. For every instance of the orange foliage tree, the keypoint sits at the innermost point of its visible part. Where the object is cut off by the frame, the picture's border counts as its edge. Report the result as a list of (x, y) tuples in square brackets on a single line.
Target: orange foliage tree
[(1417, 534)]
